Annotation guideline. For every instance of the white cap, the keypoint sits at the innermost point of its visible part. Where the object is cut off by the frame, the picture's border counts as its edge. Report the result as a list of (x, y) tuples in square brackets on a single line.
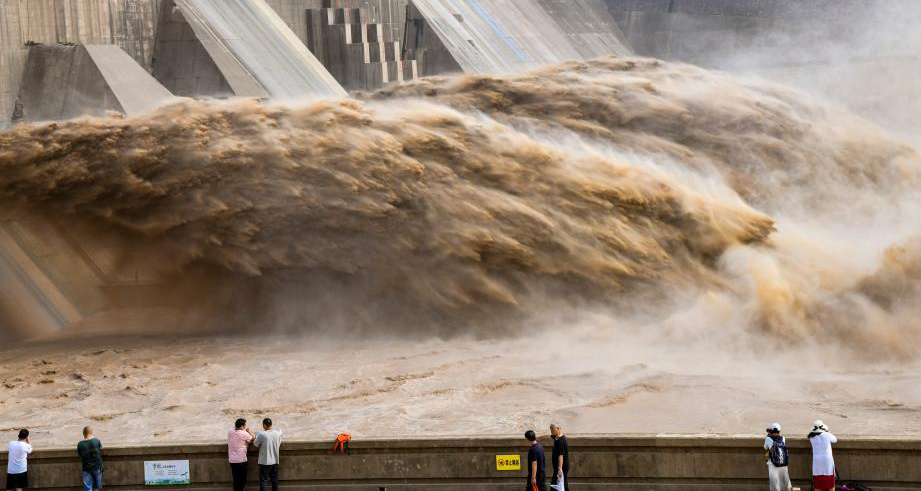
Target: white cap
[(774, 426), (819, 425)]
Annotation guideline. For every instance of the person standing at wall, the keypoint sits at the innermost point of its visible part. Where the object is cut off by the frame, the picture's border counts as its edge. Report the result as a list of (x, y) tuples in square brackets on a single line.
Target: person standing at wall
[(90, 451), (559, 459), (536, 463), (238, 440), (17, 468), (778, 459), (823, 463), (269, 443)]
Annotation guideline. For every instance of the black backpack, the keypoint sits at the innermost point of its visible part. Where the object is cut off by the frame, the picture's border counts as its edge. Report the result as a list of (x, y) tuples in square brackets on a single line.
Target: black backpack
[(778, 454)]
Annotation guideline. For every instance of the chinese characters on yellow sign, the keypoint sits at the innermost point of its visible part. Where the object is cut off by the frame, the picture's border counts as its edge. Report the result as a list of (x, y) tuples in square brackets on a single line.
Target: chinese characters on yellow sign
[(508, 462)]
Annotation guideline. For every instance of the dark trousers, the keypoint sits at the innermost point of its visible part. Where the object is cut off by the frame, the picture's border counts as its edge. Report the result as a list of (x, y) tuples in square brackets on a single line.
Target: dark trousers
[(268, 473), (239, 475)]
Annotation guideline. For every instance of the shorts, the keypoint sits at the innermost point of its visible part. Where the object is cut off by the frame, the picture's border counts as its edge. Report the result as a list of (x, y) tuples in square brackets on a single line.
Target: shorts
[(779, 477), (92, 480), (17, 481), (823, 482)]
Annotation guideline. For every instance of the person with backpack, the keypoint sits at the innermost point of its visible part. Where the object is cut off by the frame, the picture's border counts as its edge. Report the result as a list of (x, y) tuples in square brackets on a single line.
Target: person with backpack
[(778, 460), (823, 463), (90, 451)]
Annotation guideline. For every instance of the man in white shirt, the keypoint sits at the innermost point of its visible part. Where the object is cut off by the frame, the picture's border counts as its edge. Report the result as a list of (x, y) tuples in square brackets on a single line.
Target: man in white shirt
[(269, 444), (17, 470)]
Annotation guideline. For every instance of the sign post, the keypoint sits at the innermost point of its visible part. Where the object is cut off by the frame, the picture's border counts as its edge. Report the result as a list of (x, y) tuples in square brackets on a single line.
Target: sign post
[(166, 473), (508, 462)]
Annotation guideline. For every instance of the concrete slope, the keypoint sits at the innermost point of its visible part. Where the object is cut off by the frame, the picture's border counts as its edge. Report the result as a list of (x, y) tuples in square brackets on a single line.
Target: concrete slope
[(501, 36), (30, 303), (64, 82), (589, 26), (497, 36), (134, 89), (249, 34)]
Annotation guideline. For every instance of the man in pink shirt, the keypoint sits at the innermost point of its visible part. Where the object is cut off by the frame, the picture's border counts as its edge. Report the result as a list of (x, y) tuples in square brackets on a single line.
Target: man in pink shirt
[(238, 440)]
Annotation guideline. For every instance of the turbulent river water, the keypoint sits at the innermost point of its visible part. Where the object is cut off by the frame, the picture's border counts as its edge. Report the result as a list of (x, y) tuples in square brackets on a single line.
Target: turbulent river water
[(630, 188), (617, 245)]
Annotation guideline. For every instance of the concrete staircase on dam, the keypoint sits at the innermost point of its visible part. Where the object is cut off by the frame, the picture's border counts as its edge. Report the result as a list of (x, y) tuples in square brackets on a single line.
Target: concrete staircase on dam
[(360, 53)]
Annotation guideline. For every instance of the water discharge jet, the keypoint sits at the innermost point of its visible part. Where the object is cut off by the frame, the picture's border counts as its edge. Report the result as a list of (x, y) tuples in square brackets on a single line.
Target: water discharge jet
[(458, 204)]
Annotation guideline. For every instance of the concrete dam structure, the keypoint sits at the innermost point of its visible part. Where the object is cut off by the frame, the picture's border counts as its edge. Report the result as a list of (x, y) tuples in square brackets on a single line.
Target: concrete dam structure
[(65, 82), (511, 35), (423, 221), (279, 48), (64, 59)]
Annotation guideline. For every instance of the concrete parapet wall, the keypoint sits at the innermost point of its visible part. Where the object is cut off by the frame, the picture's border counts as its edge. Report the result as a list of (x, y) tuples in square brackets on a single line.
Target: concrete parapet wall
[(598, 462)]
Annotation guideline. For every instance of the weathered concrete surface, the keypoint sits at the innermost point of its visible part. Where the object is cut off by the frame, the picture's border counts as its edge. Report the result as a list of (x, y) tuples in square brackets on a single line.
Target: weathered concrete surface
[(134, 89), (46, 282), (63, 82), (251, 34), (509, 35), (30, 303), (630, 462), (191, 60), (360, 53), (128, 24), (588, 25)]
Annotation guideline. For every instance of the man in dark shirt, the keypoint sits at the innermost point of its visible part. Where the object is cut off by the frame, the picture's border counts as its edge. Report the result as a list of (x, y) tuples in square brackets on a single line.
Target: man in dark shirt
[(535, 463), (90, 451), (560, 458)]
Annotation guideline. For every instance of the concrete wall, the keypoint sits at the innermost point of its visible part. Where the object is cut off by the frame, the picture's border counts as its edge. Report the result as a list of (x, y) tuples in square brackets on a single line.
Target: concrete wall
[(598, 462), (64, 82), (127, 23), (505, 36), (181, 62), (360, 53)]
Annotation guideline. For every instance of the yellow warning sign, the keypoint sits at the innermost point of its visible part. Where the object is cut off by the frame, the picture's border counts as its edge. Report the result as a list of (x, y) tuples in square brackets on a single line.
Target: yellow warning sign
[(508, 462)]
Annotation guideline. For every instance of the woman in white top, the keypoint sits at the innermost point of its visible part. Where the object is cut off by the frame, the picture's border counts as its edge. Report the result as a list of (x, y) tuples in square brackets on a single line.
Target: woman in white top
[(777, 459), (823, 464)]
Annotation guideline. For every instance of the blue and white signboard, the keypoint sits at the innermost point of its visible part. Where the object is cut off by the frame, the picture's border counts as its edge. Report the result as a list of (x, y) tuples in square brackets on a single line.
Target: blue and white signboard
[(166, 472)]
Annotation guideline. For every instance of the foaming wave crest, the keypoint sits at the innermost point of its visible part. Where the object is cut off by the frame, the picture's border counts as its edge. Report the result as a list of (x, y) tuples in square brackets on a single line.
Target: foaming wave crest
[(458, 204)]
